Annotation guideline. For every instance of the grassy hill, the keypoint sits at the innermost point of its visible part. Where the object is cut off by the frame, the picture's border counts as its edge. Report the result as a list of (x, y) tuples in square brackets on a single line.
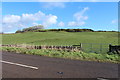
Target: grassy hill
[(60, 38), (65, 38)]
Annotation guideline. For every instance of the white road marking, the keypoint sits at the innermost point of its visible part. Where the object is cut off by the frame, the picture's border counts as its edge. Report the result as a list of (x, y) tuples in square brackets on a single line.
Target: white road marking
[(17, 64)]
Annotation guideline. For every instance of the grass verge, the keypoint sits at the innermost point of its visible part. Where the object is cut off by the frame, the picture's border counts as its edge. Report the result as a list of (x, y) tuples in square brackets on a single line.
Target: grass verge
[(114, 58)]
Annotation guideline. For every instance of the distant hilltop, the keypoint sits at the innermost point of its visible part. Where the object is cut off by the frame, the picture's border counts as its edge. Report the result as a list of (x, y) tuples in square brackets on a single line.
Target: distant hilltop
[(56, 30), (65, 30), (40, 29)]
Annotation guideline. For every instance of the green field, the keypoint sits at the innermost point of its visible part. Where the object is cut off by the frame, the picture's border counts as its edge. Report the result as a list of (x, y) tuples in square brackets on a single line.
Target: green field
[(60, 38), (65, 39)]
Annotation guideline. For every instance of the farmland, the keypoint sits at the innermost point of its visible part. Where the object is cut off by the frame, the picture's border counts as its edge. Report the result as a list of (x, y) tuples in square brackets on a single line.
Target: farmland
[(63, 39), (60, 38)]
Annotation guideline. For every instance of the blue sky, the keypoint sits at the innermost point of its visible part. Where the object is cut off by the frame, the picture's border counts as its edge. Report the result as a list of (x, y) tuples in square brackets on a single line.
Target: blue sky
[(72, 15)]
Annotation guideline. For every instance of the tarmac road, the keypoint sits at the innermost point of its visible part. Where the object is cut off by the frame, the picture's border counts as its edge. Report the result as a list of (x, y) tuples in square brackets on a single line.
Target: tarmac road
[(16, 65)]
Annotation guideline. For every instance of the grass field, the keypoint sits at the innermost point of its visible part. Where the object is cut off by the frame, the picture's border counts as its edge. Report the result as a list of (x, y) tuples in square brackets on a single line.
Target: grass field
[(64, 39), (60, 38)]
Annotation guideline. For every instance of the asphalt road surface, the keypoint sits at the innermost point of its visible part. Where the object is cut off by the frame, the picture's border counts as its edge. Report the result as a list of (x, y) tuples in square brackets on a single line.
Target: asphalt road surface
[(16, 65)]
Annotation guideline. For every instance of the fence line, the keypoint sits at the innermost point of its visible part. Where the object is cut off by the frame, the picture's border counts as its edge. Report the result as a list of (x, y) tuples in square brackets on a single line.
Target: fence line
[(67, 48), (95, 47), (114, 49), (86, 47)]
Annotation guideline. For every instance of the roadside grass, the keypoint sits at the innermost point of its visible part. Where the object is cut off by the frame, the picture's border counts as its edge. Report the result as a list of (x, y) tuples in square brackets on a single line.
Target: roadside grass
[(114, 58)]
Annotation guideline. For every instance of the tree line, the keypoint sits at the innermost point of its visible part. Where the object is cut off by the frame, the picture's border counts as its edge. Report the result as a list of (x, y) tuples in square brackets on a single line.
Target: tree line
[(40, 28)]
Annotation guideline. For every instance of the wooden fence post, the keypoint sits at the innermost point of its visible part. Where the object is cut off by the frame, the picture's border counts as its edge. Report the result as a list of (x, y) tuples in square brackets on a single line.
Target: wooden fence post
[(80, 45), (110, 49), (100, 48)]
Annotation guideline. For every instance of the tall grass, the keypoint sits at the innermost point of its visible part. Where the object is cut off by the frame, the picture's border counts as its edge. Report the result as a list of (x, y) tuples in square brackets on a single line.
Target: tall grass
[(65, 54)]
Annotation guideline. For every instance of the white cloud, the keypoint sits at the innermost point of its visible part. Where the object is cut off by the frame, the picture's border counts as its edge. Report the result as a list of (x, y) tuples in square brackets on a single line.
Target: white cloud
[(51, 5), (9, 22), (114, 21), (29, 17), (34, 24), (73, 23), (61, 0), (79, 18), (61, 24), (11, 19), (79, 15), (49, 20), (94, 0), (27, 20)]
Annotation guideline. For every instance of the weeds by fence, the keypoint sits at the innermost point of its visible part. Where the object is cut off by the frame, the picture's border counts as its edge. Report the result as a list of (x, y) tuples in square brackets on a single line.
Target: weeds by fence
[(66, 48), (85, 47)]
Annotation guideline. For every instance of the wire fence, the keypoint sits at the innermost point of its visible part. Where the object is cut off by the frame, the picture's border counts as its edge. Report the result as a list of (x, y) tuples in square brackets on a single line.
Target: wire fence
[(95, 47), (85, 47)]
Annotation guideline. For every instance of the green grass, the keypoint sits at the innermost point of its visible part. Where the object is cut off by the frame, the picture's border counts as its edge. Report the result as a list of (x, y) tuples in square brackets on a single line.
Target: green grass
[(114, 58), (60, 38), (63, 39)]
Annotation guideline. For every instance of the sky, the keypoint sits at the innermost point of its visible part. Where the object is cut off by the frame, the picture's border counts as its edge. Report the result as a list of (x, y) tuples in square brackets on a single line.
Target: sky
[(60, 15)]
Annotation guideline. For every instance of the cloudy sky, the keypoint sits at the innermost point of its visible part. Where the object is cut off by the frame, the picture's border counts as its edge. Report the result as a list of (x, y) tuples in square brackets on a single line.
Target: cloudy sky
[(72, 15)]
